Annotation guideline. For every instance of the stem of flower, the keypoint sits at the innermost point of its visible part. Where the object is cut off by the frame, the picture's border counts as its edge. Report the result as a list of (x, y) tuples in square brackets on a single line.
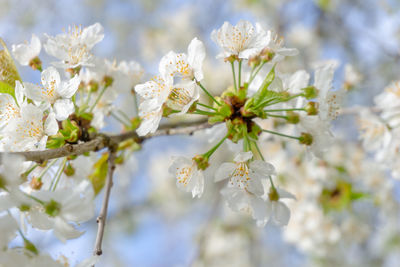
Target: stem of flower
[(234, 75), (98, 98), (258, 150), (281, 134), (206, 106), (46, 169), (289, 109), (212, 150), (119, 119), (255, 73), (59, 172), (240, 74), (203, 112), (135, 102), (277, 116), (205, 91)]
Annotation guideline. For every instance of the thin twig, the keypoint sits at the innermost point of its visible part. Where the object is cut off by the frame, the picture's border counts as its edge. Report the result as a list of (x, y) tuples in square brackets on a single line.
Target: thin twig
[(101, 219)]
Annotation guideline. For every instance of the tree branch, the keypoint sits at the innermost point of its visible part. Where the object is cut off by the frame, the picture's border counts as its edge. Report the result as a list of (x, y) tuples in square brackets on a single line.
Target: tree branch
[(101, 219), (101, 141)]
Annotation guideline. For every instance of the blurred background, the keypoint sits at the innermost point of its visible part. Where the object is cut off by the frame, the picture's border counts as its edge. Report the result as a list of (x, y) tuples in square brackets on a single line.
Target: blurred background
[(151, 222)]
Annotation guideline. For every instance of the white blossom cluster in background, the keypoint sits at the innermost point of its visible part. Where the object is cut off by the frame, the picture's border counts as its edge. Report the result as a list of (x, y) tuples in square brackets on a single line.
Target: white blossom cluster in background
[(315, 192)]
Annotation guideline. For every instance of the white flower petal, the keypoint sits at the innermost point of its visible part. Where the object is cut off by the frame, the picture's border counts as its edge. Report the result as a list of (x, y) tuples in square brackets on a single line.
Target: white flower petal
[(69, 88), (51, 124), (63, 108), (196, 56), (224, 171), (243, 156)]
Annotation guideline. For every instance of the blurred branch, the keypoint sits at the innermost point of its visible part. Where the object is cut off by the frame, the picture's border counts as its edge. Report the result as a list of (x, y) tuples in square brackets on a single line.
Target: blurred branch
[(101, 141), (101, 219)]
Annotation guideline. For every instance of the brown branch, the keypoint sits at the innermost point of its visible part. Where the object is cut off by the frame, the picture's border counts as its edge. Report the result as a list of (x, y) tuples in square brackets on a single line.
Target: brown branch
[(101, 219), (101, 141)]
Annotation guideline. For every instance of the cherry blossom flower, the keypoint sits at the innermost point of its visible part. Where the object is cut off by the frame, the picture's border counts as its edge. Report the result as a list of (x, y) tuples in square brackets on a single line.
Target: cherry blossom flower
[(188, 177), (54, 92), (30, 130), (275, 46), (73, 48), (25, 53), (322, 137), (9, 108), (244, 189), (63, 206), (329, 100), (389, 102), (277, 211), (185, 66), (150, 118), (157, 90), (241, 41)]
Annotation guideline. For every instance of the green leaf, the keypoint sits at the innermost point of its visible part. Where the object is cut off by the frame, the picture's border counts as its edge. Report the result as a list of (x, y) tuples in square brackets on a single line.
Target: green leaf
[(263, 91), (5, 88), (8, 71), (99, 174)]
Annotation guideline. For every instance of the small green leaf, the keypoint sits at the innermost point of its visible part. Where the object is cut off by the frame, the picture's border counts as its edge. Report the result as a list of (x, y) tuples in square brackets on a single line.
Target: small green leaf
[(99, 174), (5, 88), (8, 71)]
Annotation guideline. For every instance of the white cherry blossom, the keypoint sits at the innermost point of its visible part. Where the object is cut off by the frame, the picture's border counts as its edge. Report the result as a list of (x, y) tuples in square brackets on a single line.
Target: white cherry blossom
[(30, 130), (188, 177), (275, 45), (186, 66), (150, 118), (329, 100), (244, 190), (157, 90), (9, 108), (242, 40), (24, 53), (67, 205), (54, 92), (73, 47)]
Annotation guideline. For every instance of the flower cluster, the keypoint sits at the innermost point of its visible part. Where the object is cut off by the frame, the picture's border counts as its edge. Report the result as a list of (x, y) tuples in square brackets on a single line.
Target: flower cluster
[(380, 133), (67, 107), (259, 93)]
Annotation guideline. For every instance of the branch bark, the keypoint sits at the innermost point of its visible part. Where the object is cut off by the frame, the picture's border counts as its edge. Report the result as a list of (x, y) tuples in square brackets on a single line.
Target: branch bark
[(101, 141), (101, 219)]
